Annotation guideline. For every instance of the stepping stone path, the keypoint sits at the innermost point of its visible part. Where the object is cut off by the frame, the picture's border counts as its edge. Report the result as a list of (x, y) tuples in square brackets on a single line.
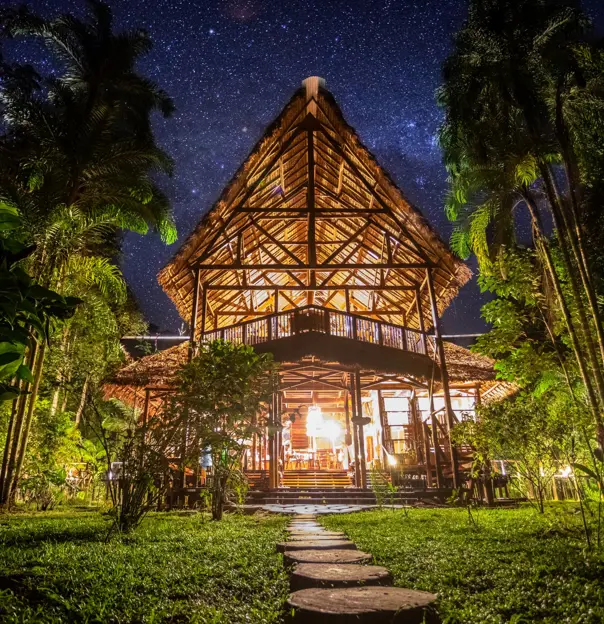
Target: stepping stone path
[(330, 585)]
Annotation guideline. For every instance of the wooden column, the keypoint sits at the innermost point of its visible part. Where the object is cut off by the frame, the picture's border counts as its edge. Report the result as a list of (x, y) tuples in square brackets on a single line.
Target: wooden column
[(420, 318), (204, 307), (348, 438), (272, 462), (146, 413), (254, 441), (444, 377), (360, 433), (355, 433), (194, 307), (278, 438), (384, 424)]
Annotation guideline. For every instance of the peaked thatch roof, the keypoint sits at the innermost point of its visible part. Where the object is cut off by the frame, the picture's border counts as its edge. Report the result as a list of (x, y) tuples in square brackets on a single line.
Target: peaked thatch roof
[(276, 174)]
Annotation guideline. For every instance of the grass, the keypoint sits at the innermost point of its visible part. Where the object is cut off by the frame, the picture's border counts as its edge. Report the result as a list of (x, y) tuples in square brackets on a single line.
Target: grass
[(55, 567), (516, 566)]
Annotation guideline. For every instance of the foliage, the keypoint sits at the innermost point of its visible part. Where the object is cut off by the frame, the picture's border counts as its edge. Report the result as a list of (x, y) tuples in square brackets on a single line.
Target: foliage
[(522, 141), (26, 308), (79, 162), (219, 395), (516, 566), (526, 432), (57, 569), (135, 456)]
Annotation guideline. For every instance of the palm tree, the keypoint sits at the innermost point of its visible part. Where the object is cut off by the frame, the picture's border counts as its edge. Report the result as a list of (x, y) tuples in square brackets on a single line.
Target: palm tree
[(78, 158), (514, 94)]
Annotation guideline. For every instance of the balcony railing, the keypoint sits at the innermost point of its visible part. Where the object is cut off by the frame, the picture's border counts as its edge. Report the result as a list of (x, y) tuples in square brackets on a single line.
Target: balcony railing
[(324, 321)]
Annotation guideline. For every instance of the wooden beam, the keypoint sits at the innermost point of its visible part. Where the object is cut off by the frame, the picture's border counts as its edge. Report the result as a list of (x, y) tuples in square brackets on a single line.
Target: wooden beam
[(444, 377), (278, 266), (193, 322)]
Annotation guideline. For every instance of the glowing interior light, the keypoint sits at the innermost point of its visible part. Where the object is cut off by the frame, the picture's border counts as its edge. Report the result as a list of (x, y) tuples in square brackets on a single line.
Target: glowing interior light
[(314, 421), (391, 459), (331, 429)]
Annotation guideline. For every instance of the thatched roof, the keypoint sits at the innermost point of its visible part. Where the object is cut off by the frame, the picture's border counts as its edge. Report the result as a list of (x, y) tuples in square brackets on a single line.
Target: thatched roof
[(261, 221), (158, 371)]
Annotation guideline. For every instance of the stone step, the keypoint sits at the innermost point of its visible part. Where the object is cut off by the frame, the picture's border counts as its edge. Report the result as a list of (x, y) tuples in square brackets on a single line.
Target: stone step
[(311, 544), (326, 556), (330, 575), (302, 537), (363, 605)]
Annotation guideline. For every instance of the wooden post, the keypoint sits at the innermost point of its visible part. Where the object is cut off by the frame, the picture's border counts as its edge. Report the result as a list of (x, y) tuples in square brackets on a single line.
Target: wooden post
[(355, 433), (278, 440), (444, 377), (420, 319), (204, 306), (272, 481), (194, 306), (426, 437), (254, 441), (417, 424), (363, 466), (348, 438), (384, 424), (146, 413)]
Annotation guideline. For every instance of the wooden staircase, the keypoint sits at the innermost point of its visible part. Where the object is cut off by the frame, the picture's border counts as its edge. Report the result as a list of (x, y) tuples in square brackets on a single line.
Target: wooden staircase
[(315, 479)]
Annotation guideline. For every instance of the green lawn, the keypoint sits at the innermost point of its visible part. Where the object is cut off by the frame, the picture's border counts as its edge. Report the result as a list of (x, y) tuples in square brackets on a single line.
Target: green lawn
[(55, 567), (516, 566)]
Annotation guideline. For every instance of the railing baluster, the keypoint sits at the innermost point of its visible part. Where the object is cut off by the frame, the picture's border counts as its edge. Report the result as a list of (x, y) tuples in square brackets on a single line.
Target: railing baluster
[(327, 321)]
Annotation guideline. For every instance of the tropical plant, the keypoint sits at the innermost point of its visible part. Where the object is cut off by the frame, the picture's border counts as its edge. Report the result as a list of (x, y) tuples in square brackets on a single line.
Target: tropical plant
[(26, 312), (135, 455), (523, 131), (219, 394), (79, 161)]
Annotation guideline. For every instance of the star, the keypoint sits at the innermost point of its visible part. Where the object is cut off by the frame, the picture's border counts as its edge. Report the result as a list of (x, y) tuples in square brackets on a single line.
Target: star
[(232, 66)]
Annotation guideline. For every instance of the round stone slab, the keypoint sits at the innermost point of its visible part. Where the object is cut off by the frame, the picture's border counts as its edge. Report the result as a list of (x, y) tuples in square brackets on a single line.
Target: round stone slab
[(316, 545), (315, 532), (291, 557), (363, 605), (315, 536), (328, 575)]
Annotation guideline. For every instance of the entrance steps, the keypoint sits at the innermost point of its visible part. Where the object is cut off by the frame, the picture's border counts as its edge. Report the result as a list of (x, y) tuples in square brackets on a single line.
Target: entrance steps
[(315, 479), (333, 496)]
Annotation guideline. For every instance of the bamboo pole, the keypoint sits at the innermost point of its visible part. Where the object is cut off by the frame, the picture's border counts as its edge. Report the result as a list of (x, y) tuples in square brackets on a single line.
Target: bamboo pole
[(444, 375)]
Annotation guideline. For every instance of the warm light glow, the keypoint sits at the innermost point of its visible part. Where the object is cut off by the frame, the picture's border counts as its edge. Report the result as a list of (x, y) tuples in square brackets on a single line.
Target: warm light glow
[(314, 421), (391, 459), (331, 429)]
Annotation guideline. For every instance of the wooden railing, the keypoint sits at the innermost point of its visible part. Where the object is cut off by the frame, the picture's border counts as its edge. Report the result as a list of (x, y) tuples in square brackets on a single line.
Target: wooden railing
[(324, 321)]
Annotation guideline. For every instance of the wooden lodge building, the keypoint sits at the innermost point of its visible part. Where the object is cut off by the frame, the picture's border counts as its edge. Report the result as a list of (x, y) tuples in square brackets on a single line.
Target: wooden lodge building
[(313, 254)]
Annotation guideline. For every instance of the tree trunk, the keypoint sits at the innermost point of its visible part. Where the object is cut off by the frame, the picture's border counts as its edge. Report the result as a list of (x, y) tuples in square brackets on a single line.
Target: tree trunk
[(30, 412), (574, 185), (7, 444), (542, 246), (564, 231), (11, 459), (80, 410)]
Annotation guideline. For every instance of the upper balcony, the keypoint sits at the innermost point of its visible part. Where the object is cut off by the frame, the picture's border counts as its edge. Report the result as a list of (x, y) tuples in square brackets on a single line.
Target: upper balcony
[(332, 335)]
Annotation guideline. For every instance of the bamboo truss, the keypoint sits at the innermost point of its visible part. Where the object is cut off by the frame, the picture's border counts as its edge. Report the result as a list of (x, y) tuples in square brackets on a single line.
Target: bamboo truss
[(311, 218), (313, 254)]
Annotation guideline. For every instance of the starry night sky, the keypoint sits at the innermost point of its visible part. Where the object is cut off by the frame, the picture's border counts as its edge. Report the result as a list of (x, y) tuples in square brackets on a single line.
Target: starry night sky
[(231, 66)]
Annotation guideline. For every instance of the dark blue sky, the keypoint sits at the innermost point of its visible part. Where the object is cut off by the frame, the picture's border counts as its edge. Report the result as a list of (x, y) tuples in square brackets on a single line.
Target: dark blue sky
[(231, 66)]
